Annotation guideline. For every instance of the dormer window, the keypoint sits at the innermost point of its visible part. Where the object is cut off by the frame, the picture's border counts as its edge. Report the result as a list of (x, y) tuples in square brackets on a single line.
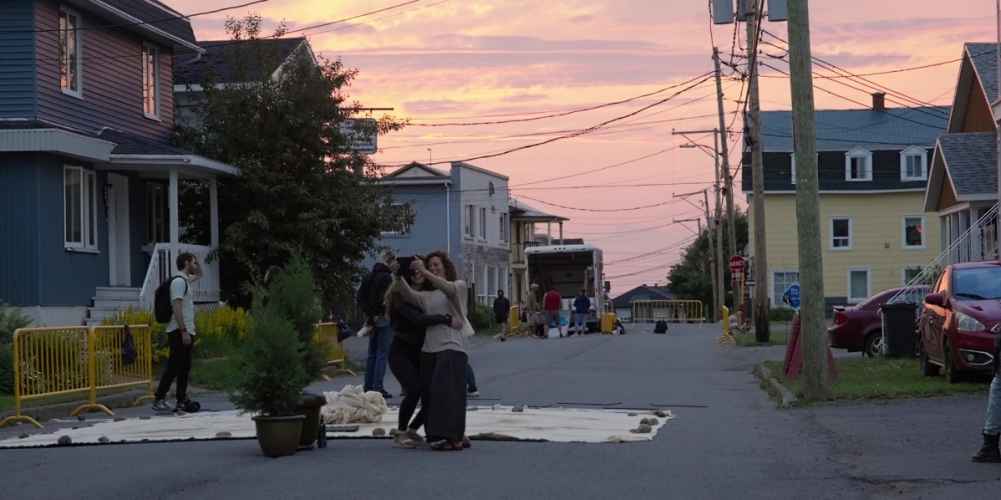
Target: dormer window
[(858, 165), (914, 164), (151, 81), (70, 65)]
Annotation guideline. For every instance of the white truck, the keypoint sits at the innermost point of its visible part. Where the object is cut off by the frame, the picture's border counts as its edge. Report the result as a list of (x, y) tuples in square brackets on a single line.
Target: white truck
[(570, 269)]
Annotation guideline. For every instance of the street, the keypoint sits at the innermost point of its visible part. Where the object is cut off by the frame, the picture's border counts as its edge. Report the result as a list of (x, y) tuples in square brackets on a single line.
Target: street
[(727, 441)]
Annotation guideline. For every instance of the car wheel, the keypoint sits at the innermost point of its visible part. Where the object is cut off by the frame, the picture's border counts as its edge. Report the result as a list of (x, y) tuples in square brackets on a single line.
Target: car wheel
[(951, 375), (873, 346), (928, 368)]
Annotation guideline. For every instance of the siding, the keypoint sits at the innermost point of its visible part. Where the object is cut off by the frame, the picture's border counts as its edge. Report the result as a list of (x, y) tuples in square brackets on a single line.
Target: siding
[(876, 238), (111, 80), (19, 192), (978, 111), (885, 174), (428, 233), (17, 65)]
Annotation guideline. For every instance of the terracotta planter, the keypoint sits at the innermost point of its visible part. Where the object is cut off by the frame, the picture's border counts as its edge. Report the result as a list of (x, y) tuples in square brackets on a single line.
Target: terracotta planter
[(279, 436)]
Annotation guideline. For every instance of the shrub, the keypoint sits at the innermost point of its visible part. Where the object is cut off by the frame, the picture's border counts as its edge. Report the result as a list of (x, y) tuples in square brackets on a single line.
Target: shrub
[(270, 376), (220, 330), (10, 320), (292, 292), (6, 369), (780, 314), (481, 317)]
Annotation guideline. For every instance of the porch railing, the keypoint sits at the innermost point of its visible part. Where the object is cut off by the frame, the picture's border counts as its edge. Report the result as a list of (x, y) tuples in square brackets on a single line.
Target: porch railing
[(162, 267)]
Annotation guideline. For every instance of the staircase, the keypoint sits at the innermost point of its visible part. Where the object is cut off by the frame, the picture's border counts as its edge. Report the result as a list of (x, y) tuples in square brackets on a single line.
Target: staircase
[(109, 301)]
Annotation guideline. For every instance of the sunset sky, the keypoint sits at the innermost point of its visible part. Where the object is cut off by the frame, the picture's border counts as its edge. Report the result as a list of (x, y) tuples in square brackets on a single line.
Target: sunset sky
[(475, 60)]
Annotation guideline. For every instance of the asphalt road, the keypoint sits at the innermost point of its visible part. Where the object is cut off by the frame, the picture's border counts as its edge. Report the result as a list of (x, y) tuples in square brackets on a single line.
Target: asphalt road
[(727, 441)]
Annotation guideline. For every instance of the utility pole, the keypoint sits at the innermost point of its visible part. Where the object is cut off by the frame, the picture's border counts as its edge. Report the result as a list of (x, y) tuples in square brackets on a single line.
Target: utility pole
[(713, 258), (817, 382), (753, 122), (727, 178)]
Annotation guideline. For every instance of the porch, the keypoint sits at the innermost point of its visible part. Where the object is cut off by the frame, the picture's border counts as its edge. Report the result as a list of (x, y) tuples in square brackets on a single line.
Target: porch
[(969, 233)]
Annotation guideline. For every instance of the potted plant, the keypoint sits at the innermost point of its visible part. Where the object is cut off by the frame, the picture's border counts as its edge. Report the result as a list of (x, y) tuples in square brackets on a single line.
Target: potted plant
[(270, 380)]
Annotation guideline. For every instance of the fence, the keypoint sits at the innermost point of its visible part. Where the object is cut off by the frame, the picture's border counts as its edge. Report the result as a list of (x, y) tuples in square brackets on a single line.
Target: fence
[(674, 311), (326, 336), (65, 361)]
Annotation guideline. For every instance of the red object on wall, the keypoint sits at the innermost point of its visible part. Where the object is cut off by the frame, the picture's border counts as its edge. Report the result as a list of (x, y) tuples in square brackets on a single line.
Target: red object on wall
[(794, 354)]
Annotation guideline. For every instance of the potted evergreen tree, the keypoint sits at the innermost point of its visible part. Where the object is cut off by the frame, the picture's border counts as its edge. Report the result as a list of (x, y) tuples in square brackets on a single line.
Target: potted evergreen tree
[(270, 380)]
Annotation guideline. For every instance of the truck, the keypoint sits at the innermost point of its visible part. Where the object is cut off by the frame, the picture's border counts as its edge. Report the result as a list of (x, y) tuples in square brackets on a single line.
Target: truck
[(569, 268)]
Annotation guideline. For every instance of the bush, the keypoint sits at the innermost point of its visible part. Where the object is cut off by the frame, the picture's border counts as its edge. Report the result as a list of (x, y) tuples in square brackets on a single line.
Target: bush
[(780, 314), (10, 320), (269, 373), (220, 331), (481, 317), (292, 292), (6, 369)]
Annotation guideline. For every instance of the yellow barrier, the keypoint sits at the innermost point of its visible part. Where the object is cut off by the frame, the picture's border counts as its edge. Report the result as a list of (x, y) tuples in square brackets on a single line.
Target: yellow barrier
[(62, 361), (727, 337), (607, 323), (514, 320), (326, 335), (672, 311)]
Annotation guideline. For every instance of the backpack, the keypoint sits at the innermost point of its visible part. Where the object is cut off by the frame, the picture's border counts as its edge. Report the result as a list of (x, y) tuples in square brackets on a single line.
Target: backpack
[(129, 353), (660, 327), (162, 308)]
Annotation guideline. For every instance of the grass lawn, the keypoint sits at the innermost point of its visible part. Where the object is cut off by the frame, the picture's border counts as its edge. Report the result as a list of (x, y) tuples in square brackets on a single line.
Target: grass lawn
[(778, 335), (863, 378)]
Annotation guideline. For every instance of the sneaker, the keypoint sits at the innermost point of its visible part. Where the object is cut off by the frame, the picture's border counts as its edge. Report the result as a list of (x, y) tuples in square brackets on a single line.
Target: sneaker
[(161, 406), (386, 395), (473, 394)]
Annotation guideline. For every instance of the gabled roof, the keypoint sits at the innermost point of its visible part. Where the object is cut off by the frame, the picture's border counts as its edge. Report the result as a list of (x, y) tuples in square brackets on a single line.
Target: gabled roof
[(966, 163), (233, 61), (977, 71), (843, 129), (153, 18), (470, 166), (519, 210), (642, 292), (985, 61), (416, 173)]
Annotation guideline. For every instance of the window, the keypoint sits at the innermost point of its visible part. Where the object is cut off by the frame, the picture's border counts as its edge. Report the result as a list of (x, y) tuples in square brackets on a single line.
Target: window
[(781, 282), (858, 285), (841, 233), (792, 168), (503, 227), (156, 213), (492, 282), (80, 208), (911, 273), (483, 222), (470, 227), (858, 165), (401, 215), (151, 81), (914, 232), (70, 65), (913, 164)]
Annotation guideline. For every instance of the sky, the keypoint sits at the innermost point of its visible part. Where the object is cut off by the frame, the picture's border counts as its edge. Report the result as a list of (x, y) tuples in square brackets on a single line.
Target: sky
[(460, 61)]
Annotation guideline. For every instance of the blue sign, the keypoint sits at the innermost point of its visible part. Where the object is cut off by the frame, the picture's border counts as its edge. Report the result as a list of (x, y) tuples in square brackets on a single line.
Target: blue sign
[(791, 296)]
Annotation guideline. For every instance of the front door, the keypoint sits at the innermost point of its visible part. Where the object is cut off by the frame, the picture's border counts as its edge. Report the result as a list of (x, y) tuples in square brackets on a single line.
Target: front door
[(119, 251)]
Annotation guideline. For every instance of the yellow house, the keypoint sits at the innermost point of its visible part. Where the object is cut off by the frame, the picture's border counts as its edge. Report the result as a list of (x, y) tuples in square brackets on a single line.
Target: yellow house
[(873, 169)]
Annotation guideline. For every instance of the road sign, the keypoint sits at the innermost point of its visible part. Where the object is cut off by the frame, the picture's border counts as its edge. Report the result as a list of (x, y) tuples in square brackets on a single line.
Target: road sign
[(736, 264), (791, 296), (361, 134)]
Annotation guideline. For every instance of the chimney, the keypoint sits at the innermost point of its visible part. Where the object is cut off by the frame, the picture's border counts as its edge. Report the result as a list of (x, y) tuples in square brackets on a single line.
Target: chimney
[(879, 101)]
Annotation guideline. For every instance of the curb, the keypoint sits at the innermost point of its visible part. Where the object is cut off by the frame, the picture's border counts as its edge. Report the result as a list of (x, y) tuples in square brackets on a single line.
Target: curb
[(785, 397), (62, 410)]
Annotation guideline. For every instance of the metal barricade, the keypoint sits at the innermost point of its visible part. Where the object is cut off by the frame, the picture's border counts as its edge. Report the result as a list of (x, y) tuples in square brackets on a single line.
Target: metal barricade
[(513, 320), (326, 335), (63, 361), (672, 311)]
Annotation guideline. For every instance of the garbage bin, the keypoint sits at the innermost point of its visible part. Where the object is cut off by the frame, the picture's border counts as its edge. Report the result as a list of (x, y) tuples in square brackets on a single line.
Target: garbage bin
[(310, 405), (899, 329)]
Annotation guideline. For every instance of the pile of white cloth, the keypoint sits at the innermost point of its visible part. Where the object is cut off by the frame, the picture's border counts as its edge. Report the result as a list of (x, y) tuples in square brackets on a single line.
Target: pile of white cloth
[(352, 405)]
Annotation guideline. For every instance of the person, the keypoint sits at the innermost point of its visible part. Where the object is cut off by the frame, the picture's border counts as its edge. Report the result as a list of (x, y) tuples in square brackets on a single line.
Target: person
[(536, 318), (581, 308), (471, 390), (552, 302), (180, 334), (990, 451), (409, 325), (371, 298), (443, 356), (502, 307)]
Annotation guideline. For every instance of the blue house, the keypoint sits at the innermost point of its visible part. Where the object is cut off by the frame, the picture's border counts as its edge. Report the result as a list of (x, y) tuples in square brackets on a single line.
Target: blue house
[(463, 211), (88, 178)]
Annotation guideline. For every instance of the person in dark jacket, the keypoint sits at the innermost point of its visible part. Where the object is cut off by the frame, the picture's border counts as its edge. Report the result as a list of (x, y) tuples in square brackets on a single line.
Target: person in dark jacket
[(990, 451), (502, 307), (409, 324), (371, 295), (581, 309)]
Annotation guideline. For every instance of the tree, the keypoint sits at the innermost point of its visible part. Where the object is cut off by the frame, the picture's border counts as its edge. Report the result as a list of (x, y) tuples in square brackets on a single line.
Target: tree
[(691, 277), (301, 190)]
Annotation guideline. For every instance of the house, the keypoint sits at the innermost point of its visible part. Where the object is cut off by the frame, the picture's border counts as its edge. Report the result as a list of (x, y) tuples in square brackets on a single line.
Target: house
[(231, 62), (88, 178), (873, 166), (524, 219), (963, 182), (623, 304), (463, 211)]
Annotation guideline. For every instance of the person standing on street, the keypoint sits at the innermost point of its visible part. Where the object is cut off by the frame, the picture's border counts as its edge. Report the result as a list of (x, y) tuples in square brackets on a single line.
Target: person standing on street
[(180, 334), (371, 298), (581, 308), (990, 451), (502, 308), (552, 302), (534, 314)]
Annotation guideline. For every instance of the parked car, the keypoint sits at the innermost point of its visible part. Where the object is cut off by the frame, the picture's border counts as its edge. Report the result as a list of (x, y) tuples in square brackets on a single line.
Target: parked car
[(860, 328), (961, 321)]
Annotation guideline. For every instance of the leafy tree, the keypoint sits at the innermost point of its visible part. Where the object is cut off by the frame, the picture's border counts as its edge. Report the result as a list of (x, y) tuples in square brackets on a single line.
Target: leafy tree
[(301, 190), (691, 278)]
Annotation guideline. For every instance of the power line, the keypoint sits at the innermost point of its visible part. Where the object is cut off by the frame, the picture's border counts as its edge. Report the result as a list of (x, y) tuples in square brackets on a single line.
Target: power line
[(561, 114), (601, 210), (138, 23), (652, 253), (352, 18), (341, 28)]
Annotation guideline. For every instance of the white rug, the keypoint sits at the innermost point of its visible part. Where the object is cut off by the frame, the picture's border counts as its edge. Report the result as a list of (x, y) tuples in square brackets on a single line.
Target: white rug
[(563, 425)]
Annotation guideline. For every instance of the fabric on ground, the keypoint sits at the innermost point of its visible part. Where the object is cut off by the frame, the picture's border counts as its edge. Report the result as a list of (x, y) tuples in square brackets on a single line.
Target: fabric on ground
[(564, 425), (351, 405)]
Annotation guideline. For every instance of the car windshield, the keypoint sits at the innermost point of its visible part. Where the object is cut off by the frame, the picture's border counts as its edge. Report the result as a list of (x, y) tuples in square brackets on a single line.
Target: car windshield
[(913, 295), (981, 283)]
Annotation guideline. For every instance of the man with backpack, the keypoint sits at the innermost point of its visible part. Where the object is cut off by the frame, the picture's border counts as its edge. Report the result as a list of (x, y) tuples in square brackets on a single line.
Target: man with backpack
[(175, 306), (371, 299)]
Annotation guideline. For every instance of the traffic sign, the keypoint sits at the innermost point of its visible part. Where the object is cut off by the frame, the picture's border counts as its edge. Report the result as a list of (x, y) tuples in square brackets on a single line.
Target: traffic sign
[(791, 296), (736, 264)]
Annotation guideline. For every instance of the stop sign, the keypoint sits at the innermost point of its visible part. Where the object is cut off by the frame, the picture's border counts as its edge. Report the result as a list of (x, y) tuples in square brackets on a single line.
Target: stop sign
[(736, 264)]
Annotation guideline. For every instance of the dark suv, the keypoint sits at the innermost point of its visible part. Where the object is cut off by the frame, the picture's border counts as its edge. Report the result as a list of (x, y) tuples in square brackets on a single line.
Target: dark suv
[(961, 320)]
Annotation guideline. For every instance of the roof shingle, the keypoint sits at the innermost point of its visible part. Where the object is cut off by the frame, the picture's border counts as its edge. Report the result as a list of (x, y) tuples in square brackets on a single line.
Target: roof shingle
[(971, 159), (985, 60), (842, 129), (230, 61)]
